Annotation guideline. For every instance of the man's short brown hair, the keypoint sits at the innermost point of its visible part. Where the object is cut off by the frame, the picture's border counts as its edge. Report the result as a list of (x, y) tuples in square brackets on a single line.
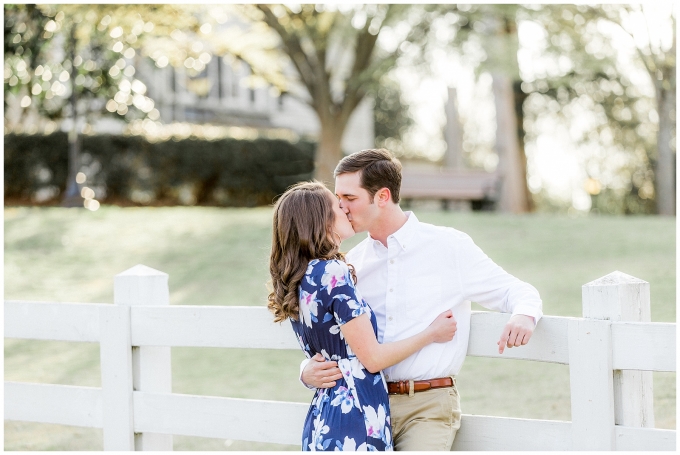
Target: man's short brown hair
[(379, 169)]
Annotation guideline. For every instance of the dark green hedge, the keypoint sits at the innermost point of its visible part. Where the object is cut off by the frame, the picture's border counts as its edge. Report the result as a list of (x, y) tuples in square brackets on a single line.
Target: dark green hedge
[(131, 170)]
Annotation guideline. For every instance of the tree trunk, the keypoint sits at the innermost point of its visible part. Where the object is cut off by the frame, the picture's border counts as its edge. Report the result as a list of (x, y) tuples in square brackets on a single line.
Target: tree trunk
[(72, 196), (502, 46), (453, 134), (519, 97), (510, 164), (328, 151), (665, 165)]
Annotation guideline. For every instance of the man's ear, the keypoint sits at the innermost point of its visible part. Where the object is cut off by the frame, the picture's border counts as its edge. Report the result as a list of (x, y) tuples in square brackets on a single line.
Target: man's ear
[(383, 196)]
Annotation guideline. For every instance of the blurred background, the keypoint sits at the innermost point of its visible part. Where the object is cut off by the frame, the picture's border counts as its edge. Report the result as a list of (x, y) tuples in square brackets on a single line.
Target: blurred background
[(161, 134), (584, 96)]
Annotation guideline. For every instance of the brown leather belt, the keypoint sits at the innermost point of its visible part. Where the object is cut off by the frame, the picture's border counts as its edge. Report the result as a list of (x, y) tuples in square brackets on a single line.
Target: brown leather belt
[(402, 387)]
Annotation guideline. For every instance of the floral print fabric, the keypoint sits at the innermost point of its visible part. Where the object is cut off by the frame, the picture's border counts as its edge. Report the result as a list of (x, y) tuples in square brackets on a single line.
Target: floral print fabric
[(354, 415)]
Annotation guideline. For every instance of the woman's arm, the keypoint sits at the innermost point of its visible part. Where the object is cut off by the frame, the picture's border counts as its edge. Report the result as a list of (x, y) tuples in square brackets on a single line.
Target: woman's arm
[(375, 356)]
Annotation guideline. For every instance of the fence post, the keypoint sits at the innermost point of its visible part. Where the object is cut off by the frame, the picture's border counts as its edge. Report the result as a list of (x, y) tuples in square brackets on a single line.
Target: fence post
[(591, 384), (151, 365), (116, 369), (619, 297)]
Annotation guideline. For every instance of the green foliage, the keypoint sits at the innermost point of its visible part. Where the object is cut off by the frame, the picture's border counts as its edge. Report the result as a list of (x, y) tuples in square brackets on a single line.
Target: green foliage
[(341, 41), (23, 27), (53, 50), (130, 170), (391, 115), (581, 76), (338, 56), (592, 82)]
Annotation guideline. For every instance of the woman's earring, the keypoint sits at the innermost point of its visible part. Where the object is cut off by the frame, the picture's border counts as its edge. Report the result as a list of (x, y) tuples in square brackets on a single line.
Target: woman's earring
[(339, 238)]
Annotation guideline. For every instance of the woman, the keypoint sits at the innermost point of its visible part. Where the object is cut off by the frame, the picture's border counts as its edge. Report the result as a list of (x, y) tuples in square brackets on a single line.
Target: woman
[(315, 288)]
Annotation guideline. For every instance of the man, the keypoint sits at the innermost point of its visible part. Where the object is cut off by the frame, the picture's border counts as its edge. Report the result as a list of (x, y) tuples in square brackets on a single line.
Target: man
[(409, 272)]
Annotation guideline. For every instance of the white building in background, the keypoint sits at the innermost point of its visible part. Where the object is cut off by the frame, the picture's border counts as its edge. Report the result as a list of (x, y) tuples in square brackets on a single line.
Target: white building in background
[(219, 96)]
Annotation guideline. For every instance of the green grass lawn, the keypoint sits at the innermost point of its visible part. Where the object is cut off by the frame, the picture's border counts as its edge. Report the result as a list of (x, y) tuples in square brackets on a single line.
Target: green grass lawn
[(219, 257)]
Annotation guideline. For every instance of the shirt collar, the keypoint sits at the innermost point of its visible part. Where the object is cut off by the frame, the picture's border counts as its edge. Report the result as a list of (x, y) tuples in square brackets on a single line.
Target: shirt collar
[(404, 234)]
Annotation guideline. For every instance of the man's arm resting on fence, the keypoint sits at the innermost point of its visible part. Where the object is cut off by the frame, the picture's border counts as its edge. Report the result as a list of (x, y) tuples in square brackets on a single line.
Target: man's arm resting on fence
[(319, 373), (492, 287)]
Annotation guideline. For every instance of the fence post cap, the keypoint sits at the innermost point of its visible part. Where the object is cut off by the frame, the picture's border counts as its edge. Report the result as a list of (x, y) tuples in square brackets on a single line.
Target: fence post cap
[(141, 285), (617, 297), (615, 278), (141, 270)]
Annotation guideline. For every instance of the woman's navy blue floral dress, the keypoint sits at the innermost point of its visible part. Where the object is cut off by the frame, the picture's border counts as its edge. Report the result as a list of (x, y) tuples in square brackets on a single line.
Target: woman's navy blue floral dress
[(355, 414)]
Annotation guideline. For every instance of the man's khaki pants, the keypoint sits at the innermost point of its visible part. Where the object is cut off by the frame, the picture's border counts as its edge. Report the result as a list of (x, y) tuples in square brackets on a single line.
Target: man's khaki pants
[(426, 420)]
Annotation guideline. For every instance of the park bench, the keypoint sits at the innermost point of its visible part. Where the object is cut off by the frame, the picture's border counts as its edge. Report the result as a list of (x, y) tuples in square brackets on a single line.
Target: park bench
[(480, 188)]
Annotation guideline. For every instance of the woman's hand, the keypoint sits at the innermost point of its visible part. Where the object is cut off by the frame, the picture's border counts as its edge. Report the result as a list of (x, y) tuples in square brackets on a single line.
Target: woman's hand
[(375, 356), (443, 328)]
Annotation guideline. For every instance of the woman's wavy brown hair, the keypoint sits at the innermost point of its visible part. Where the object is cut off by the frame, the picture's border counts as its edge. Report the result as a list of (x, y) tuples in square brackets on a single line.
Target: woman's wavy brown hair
[(302, 231)]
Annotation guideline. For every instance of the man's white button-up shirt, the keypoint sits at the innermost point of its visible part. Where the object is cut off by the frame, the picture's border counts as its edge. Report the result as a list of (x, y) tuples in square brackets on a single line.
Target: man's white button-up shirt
[(423, 271)]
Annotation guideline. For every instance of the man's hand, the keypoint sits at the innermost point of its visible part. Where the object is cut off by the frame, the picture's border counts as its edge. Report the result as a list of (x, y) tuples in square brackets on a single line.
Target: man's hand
[(320, 373), (516, 332)]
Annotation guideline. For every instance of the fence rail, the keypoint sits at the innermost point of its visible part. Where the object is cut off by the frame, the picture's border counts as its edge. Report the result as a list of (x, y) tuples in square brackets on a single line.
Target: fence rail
[(612, 406), (635, 346)]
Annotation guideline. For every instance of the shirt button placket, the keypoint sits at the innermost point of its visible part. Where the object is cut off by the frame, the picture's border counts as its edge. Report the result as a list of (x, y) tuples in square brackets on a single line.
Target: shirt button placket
[(391, 280)]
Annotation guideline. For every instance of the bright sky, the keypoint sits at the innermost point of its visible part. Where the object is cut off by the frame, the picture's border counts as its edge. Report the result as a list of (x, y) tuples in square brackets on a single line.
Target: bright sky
[(555, 162)]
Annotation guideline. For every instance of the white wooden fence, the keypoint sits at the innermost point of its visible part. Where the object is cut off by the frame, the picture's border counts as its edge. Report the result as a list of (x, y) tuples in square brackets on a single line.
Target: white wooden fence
[(611, 352)]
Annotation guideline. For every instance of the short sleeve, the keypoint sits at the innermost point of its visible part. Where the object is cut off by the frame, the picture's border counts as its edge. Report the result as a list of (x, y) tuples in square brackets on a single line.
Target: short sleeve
[(338, 293)]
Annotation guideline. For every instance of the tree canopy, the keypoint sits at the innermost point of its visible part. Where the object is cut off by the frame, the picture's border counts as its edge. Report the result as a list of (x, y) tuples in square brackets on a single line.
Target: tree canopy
[(79, 63), (336, 56), (580, 69)]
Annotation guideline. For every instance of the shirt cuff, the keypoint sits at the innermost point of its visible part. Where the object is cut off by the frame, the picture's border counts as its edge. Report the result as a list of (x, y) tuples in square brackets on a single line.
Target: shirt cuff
[(303, 364), (528, 310)]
